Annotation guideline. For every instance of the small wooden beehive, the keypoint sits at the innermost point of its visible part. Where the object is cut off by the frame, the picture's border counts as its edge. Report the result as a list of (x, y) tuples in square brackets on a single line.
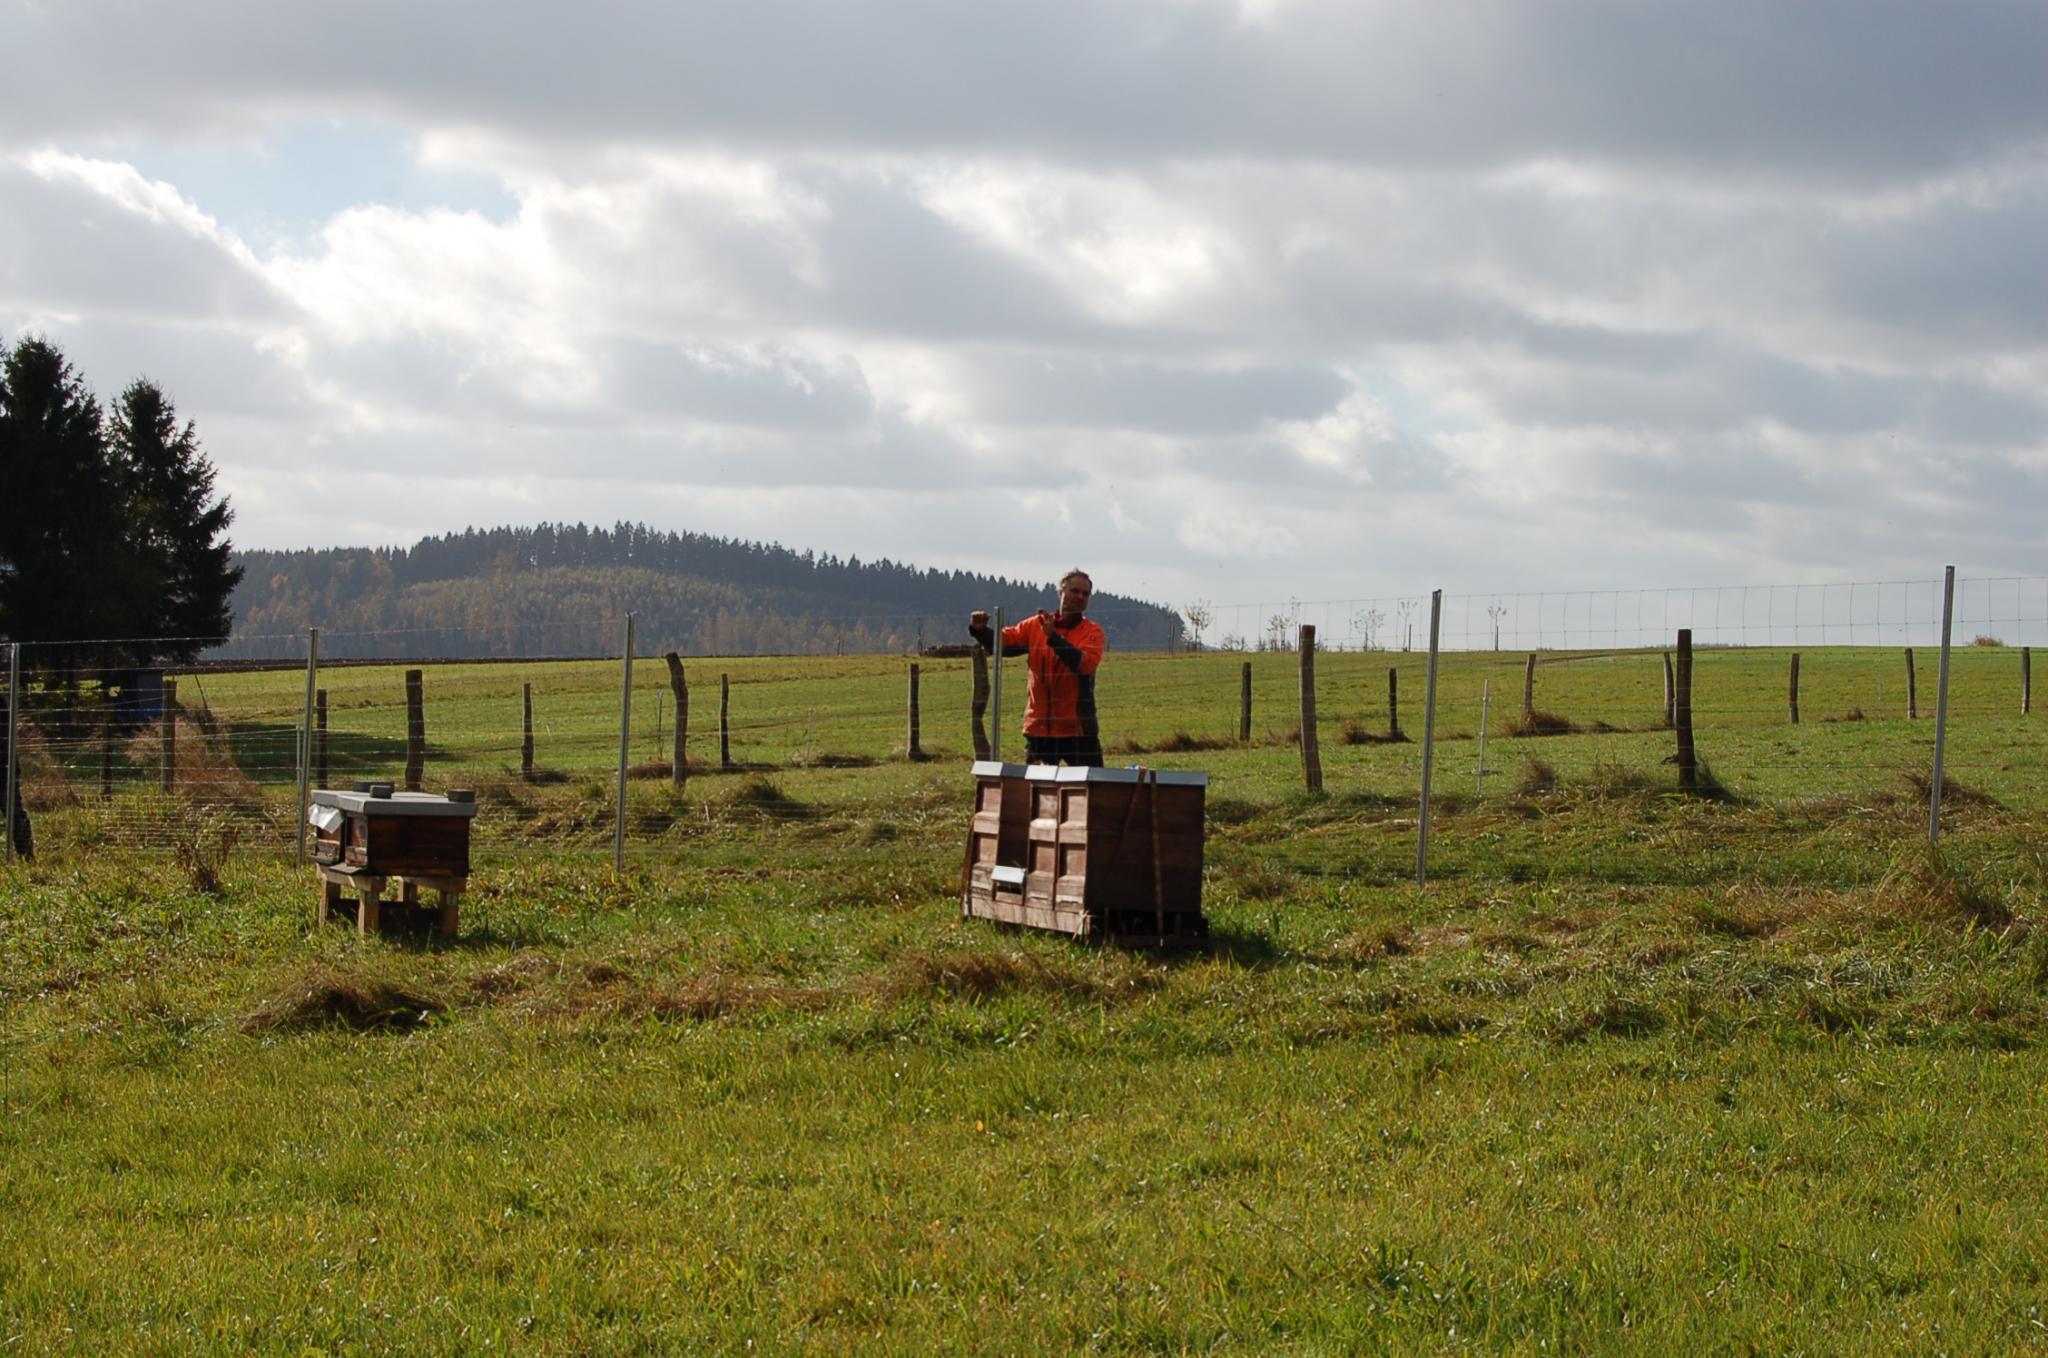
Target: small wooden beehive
[(1109, 853), (996, 838), (379, 831)]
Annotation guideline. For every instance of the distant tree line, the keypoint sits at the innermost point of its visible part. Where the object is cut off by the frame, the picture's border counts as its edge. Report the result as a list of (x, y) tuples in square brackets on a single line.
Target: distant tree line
[(110, 531), (564, 589)]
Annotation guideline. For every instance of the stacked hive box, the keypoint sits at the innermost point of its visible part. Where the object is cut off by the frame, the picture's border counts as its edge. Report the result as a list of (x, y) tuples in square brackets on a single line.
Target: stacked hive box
[(377, 830), (1108, 853), (1001, 811)]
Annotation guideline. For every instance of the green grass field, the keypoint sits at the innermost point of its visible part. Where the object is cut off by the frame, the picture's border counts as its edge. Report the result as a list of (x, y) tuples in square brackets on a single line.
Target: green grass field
[(1635, 1073)]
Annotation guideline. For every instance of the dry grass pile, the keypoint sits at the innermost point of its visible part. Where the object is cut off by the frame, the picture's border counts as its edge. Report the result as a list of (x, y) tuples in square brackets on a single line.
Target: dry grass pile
[(1355, 732), (1952, 792), (1537, 777), (990, 975), (1928, 884), (1374, 943), (1537, 722), (346, 998), (762, 795), (206, 768), (1173, 742)]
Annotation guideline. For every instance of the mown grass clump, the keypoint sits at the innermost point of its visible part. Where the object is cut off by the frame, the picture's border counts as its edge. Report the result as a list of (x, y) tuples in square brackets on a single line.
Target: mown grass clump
[(1356, 732), (1536, 721), (343, 997), (983, 975), (762, 795), (1173, 742)]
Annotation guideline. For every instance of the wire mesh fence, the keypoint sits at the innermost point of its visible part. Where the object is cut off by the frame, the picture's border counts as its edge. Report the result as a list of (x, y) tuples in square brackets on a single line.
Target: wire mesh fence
[(1816, 702)]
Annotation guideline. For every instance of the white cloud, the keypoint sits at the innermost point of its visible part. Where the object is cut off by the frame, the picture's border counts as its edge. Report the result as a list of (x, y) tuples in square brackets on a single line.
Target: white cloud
[(1237, 536), (1240, 297)]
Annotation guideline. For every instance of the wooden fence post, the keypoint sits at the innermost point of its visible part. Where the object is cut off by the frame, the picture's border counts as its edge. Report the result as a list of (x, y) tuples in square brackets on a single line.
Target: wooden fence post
[(1244, 705), (979, 702), (916, 750), (1794, 694), (320, 738), (1912, 689), (167, 768), (415, 729), (1688, 758), (679, 689), (1393, 703), (526, 732), (1529, 692), (724, 721), (1670, 695), (2026, 680), (1311, 755)]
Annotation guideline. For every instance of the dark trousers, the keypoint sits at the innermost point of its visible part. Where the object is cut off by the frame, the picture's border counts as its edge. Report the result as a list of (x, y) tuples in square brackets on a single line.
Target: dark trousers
[(1080, 751)]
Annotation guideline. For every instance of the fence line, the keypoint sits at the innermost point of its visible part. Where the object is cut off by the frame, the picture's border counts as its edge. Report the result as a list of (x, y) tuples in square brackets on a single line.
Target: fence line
[(110, 767)]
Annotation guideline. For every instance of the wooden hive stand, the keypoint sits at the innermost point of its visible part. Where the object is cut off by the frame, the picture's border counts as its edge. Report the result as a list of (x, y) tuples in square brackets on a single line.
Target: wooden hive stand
[(375, 912)]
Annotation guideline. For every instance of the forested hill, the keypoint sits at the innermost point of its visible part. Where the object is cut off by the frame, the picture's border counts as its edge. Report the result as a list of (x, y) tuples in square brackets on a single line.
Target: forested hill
[(562, 589)]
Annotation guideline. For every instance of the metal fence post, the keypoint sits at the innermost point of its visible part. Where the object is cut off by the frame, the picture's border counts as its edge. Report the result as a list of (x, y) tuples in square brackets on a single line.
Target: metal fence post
[(306, 740), (625, 736), (12, 788), (1485, 707), (1436, 617), (1948, 613)]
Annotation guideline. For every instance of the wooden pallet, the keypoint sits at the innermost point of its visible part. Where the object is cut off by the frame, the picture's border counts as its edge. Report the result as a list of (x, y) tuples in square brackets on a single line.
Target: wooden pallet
[(375, 912)]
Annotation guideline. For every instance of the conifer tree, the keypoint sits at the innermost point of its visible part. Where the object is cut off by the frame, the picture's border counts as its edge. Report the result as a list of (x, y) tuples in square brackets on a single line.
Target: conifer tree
[(173, 519)]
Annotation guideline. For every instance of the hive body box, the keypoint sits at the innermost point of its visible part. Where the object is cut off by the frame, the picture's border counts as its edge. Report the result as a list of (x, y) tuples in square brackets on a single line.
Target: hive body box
[(1001, 815), (1107, 853), (398, 834)]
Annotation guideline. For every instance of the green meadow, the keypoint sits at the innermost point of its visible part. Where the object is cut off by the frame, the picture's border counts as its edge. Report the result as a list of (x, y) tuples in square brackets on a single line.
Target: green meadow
[(1636, 1072)]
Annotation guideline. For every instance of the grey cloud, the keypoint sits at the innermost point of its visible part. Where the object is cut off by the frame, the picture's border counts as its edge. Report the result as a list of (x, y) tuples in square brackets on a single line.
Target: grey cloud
[(211, 373), (890, 454), (1697, 384), (892, 266), (69, 248), (1053, 390), (715, 384), (1971, 268), (1837, 87)]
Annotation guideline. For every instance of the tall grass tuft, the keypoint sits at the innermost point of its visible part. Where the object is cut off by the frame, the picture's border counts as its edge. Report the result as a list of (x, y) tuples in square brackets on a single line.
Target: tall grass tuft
[(1537, 722), (1929, 882)]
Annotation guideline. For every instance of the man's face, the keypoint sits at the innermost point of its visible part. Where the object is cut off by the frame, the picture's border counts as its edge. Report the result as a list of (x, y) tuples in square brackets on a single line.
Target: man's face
[(1074, 596)]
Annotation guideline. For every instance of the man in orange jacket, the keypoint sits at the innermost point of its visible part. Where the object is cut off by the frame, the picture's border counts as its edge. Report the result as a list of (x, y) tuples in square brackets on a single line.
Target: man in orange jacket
[(1062, 651)]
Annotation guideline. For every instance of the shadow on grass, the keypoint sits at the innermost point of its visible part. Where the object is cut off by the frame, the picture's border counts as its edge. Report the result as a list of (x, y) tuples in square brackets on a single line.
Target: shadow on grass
[(1247, 948)]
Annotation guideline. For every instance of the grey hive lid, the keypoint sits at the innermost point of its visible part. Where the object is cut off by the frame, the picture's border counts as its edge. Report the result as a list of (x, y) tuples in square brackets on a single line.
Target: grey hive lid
[(1167, 777), (396, 804), (990, 768)]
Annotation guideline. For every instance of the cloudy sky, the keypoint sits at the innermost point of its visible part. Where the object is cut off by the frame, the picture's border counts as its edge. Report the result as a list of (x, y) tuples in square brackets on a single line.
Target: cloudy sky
[(1244, 300)]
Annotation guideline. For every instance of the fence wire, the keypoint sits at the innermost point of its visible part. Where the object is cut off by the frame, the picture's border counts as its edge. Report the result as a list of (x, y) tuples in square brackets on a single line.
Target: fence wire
[(1537, 695)]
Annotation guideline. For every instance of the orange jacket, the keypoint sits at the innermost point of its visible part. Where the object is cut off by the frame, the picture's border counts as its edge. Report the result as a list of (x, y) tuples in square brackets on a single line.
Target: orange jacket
[(1059, 700)]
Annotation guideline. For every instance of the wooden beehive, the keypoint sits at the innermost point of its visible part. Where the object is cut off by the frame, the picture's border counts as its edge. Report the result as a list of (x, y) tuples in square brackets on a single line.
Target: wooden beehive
[(996, 836), (1109, 853), (379, 831)]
